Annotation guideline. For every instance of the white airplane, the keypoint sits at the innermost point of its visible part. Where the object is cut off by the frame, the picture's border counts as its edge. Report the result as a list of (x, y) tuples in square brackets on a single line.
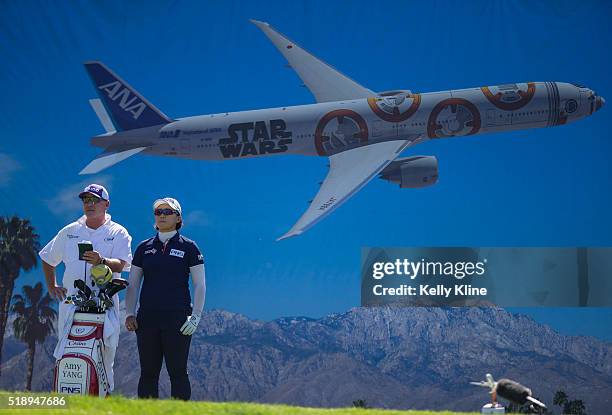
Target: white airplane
[(361, 131)]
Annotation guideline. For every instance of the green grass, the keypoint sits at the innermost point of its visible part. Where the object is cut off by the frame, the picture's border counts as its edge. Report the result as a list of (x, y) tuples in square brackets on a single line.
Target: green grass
[(121, 405)]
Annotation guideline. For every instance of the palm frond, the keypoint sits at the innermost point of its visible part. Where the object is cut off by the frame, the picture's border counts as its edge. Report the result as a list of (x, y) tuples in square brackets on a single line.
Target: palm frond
[(35, 316), (19, 245)]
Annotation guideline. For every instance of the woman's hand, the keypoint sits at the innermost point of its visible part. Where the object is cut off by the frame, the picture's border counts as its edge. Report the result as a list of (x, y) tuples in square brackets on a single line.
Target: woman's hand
[(190, 325), (130, 323)]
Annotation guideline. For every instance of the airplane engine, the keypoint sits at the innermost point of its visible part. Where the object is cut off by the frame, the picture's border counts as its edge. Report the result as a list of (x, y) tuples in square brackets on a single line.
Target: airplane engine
[(412, 172)]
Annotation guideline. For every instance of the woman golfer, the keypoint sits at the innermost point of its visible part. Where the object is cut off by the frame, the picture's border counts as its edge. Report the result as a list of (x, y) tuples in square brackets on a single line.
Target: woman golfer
[(165, 320)]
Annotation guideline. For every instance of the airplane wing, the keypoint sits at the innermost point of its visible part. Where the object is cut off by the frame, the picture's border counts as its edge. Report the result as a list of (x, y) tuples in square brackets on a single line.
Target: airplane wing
[(325, 82), (348, 172), (109, 157)]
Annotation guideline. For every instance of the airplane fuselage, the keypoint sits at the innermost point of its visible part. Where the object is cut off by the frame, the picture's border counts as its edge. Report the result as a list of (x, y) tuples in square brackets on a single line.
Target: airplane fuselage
[(362, 132), (324, 129)]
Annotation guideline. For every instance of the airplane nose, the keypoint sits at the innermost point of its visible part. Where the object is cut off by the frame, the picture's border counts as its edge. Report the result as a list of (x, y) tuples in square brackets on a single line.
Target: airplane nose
[(599, 103)]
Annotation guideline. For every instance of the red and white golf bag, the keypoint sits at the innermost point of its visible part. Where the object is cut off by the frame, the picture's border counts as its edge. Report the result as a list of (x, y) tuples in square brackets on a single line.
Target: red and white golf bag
[(81, 369)]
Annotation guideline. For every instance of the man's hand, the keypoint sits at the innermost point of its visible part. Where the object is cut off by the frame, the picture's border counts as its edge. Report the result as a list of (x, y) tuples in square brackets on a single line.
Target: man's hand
[(57, 292), (130, 323), (93, 257), (191, 324)]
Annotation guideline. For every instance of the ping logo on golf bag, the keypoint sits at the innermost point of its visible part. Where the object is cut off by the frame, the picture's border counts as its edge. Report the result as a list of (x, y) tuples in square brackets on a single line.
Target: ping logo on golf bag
[(128, 102), (71, 388)]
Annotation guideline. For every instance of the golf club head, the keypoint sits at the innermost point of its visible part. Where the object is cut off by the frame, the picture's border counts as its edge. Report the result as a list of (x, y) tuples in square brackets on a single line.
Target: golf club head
[(116, 285), (105, 299), (81, 286)]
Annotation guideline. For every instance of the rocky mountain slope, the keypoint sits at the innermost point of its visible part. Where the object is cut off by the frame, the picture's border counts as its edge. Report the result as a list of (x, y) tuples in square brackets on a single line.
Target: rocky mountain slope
[(390, 356)]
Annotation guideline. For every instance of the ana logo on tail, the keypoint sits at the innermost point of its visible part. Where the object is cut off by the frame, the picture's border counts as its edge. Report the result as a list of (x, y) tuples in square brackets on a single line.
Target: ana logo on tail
[(127, 102)]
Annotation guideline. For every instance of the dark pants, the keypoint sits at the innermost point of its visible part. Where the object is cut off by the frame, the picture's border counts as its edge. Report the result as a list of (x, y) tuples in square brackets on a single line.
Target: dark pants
[(159, 338)]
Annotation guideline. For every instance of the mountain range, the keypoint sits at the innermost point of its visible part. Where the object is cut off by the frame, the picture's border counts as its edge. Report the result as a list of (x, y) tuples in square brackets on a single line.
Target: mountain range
[(392, 357)]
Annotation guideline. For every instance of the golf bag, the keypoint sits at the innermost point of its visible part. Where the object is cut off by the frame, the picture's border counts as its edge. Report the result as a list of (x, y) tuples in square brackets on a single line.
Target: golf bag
[(82, 369)]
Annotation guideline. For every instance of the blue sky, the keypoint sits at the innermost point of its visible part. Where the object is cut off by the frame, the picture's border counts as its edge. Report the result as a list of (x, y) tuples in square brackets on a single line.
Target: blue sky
[(547, 187)]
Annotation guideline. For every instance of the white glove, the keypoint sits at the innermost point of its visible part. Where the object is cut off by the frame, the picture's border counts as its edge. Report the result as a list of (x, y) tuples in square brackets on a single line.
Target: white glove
[(191, 324)]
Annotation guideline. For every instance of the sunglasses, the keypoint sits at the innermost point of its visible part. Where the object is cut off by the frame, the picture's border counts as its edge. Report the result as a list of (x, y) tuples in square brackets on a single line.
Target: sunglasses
[(167, 212), (90, 199)]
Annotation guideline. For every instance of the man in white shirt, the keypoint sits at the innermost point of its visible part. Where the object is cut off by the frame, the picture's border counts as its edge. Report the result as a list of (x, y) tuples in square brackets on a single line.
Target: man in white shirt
[(111, 246)]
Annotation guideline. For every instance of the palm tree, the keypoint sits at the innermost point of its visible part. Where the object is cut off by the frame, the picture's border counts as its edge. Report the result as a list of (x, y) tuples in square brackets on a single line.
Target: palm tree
[(34, 321), (18, 251)]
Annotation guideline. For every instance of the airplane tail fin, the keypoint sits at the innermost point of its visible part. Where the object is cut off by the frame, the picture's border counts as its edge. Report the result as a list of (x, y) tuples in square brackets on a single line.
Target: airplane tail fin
[(103, 116), (127, 109)]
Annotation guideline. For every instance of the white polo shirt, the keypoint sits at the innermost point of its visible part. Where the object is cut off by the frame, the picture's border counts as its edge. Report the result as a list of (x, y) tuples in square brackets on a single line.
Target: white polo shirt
[(111, 240)]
